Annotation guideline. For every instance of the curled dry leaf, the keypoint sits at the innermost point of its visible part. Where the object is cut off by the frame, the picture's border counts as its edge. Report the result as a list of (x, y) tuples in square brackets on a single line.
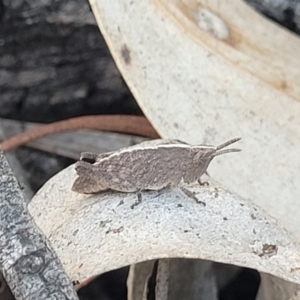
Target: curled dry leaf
[(96, 233), (203, 71)]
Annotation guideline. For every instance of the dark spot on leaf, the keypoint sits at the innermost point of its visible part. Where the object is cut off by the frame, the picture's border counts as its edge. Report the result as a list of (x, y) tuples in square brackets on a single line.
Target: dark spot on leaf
[(126, 54), (75, 282), (268, 250), (117, 230), (295, 269)]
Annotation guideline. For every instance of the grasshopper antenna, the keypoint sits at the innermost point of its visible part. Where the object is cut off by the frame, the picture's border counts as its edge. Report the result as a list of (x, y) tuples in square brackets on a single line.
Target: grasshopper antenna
[(226, 150)]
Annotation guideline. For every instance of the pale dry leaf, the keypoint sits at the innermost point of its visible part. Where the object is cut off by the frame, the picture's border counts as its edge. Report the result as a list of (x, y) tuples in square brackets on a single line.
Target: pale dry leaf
[(204, 71), (114, 227)]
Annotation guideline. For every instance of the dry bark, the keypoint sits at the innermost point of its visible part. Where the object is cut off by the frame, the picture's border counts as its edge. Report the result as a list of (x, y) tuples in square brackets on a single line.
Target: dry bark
[(29, 265)]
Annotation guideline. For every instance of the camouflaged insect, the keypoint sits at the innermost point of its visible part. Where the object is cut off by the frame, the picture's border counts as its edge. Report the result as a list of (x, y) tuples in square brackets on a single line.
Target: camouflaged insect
[(150, 165)]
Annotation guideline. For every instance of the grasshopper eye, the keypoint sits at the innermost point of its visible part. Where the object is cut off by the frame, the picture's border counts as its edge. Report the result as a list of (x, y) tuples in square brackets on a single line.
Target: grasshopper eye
[(88, 160)]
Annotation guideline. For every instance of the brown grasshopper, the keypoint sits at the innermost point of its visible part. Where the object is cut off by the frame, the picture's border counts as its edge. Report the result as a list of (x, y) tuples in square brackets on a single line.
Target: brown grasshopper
[(150, 165)]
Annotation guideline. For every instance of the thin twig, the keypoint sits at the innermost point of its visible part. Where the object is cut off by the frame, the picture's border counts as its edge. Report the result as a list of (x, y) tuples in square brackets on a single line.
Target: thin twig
[(118, 123)]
